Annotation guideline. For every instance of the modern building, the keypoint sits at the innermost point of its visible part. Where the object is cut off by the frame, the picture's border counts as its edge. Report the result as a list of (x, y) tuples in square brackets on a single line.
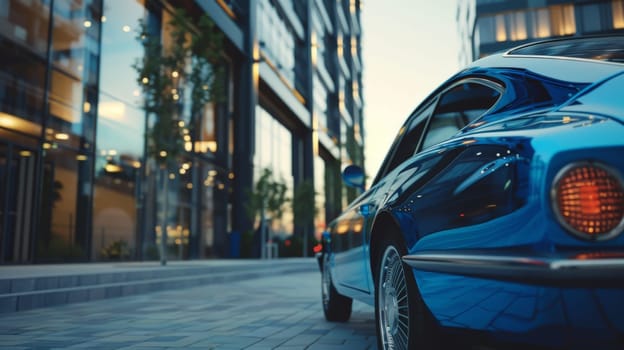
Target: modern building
[(77, 179), (495, 25)]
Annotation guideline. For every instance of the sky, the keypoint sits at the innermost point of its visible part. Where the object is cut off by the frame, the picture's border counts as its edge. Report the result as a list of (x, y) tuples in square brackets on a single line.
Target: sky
[(409, 48)]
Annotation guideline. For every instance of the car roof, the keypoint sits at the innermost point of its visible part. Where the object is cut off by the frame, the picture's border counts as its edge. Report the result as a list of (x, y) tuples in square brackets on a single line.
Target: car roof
[(602, 48), (576, 59)]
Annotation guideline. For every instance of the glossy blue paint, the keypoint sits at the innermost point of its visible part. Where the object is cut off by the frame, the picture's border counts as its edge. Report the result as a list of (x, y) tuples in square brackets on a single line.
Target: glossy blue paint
[(487, 189), (567, 318)]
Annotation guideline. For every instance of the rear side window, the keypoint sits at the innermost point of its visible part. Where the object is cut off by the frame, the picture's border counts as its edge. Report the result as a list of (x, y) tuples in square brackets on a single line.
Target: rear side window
[(459, 106)]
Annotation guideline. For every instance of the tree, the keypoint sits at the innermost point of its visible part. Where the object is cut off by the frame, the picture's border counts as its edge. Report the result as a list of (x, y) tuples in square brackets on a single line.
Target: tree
[(304, 209), (267, 200), (192, 62)]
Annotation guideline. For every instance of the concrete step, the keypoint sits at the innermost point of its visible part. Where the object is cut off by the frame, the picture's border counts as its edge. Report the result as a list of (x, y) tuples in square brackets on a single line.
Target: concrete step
[(36, 286)]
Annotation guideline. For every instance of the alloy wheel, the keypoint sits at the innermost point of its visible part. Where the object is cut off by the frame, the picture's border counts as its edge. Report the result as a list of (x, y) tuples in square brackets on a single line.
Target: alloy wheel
[(393, 301)]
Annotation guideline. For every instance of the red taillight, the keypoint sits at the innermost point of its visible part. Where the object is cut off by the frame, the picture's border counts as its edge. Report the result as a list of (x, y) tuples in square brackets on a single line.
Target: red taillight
[(588, 199)]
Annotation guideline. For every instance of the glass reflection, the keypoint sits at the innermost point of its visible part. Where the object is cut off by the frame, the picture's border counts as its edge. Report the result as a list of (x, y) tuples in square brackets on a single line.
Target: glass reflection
[(23, 43)]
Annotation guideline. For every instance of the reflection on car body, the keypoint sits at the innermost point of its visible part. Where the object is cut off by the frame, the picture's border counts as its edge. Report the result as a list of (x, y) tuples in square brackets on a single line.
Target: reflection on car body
[(497, 215)]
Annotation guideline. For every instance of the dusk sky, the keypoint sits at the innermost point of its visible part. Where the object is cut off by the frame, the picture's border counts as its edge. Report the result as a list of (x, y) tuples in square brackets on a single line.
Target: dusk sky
[(409, 47)]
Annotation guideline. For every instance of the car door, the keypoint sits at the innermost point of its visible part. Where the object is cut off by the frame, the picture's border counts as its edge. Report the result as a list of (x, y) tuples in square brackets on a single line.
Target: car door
[(436, 162), (350, 232)]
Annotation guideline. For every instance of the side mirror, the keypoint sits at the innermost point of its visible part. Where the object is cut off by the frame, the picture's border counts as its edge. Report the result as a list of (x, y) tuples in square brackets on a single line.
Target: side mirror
[(353, 176)]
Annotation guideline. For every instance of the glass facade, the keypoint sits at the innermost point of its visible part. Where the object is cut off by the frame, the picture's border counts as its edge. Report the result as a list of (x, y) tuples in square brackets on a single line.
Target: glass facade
[(556, 20), (82, 169), (274, 151), (76, 180), (119, 155), (501, 26)]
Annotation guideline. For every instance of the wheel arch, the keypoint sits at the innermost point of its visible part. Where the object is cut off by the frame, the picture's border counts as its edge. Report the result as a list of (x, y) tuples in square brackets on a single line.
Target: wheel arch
[(384, 226)]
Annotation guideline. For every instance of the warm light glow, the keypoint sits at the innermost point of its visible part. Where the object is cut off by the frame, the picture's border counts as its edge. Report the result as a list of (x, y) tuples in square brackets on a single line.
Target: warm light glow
[(112, 110), (519, 29), (341, 100), (112, 152), (61, 136), (126, 29), (562, 20), (313, 49), (182, 171), (176, 97), (353, 46), (212, 172), (189, 186), (86, 107), (145, 80), (103, 19), (231, 176), (501, 31), (25, 153), (356, 89), (542, 27), (205, 146), (221, 186), (46, 145), (81, 157), (188, 146), (617, 7), (342, 228), (339, 44), (136, 164), (172, 176), (163, 154), (186, 166), (112, 168), (87, 23), (175, 74), (181, 123), (11, 122)]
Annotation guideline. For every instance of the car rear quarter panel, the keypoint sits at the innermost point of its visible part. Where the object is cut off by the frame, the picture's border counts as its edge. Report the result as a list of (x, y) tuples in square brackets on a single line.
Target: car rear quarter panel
[(495, 197)]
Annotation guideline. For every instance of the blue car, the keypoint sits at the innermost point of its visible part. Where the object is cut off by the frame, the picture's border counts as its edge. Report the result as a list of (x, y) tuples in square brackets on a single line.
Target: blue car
[(496, 218)]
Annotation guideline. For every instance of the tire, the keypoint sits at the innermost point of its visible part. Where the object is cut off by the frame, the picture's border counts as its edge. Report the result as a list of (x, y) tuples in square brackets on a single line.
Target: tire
[(336, 307), (402, 320)]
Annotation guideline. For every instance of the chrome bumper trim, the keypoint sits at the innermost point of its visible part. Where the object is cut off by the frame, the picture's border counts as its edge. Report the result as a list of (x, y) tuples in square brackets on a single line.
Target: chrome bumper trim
[(530, 269)]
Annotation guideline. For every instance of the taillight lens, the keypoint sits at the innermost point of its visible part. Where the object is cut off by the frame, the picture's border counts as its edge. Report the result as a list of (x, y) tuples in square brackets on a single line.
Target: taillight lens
[(588, 199)]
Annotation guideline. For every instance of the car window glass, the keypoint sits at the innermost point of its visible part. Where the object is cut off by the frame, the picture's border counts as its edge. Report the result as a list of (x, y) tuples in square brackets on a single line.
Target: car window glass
[(407, 140), (458, 107)]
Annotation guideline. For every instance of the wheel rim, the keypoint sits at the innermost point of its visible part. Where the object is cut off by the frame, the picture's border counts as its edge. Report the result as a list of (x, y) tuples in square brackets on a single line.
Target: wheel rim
[(393, 305), (325, 282)]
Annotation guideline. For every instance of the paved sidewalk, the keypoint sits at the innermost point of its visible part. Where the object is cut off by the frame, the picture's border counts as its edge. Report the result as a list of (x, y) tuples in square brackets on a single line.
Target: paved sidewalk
[(26, 287), (281, 312)]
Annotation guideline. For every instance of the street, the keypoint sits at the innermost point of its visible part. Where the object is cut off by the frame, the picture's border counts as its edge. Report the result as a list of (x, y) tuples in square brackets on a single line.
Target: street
[(281, 312)]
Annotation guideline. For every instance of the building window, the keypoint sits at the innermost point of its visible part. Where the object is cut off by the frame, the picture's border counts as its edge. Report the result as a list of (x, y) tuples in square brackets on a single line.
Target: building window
[(274, 150), (22, 64), (517, 26), (277, 42), (120, 133), (74, 71), (562, 20), (541, 23), (320, 188), (501, 31), (617, 7)]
